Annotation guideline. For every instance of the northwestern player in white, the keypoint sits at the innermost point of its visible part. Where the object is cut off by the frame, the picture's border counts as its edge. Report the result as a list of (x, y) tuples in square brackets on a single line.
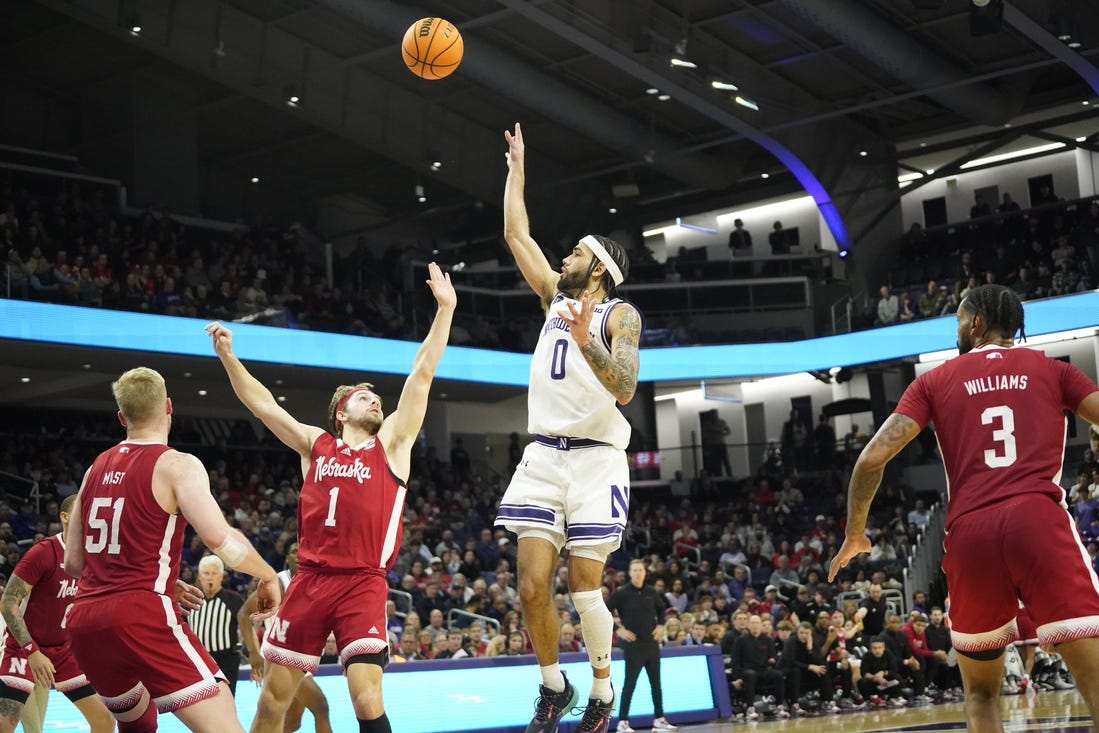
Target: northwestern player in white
[(571, 488)]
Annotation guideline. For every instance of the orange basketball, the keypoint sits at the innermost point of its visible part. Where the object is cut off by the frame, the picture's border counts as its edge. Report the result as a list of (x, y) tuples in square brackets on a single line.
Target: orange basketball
[(432, 48)]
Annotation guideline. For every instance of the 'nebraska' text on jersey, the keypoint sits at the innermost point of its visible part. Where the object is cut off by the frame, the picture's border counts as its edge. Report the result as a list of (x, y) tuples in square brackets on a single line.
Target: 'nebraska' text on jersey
[(565, 397), (52, 590), (130, 542), (999, 419), (351, 508)]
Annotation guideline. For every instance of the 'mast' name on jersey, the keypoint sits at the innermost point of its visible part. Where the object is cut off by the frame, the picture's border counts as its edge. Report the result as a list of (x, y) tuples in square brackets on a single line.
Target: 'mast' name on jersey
[(332, 467), (995, 382)]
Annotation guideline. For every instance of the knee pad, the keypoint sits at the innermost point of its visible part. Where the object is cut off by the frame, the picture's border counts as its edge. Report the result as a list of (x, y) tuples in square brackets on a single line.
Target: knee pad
[(598, 625)]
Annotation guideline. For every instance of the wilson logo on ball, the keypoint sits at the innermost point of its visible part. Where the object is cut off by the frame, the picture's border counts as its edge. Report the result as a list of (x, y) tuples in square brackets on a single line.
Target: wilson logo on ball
[(432, 48)]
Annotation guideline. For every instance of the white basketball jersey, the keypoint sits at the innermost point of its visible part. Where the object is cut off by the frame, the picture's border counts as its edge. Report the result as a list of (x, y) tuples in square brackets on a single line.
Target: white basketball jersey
[(566, 399)]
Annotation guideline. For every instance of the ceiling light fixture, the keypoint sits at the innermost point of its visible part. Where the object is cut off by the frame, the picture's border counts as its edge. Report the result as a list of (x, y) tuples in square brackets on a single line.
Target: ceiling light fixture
[(1010, 156), (418, 191), (1081, 139), (612, 210), (1074, 44), (202, 393), (652, 90), (664, 97), (436, 165), (24, 380), (745, 102), (255, 179), (863, 153), (765, 176), (727, 86), (682, 63)]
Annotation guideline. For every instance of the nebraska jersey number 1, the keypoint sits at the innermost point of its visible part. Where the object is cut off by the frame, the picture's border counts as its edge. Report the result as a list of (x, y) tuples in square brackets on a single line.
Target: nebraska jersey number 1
[(330, 520), (1004, 436)]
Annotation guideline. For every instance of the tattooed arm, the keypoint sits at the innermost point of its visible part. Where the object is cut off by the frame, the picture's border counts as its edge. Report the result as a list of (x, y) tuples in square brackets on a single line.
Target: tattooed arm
[(14, 592), (617, 369), (897, 432)]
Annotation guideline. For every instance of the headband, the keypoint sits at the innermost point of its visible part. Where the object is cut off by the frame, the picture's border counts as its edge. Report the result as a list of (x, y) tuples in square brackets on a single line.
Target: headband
[(603, 256), (342, 403)]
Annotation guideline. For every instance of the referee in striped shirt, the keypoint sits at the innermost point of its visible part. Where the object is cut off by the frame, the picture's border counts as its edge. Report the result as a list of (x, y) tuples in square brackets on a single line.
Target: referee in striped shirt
[(215, 623)]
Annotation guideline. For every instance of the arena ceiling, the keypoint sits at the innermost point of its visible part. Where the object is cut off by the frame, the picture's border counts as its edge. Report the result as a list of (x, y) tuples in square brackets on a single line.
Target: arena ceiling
[(830, 80)]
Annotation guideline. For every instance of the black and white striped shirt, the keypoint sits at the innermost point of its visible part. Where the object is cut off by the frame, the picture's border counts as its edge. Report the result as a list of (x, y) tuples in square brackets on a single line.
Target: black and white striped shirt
[(215, 624)]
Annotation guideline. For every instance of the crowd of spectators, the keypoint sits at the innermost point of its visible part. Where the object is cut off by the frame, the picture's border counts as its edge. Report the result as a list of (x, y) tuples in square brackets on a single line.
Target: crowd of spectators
[(68, 242), (735, 559), (1039, 253)]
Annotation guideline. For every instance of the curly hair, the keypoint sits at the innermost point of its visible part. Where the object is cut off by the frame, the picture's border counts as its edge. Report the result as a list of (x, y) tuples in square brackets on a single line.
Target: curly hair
[(342, 391), (617, 253), (999, 307)]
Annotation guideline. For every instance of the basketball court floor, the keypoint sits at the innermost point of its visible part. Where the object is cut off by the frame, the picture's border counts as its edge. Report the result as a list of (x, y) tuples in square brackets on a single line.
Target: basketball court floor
[(1050, 712)]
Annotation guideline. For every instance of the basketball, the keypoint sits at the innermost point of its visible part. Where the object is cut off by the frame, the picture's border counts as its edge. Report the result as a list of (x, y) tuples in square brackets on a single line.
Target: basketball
[(432, 48)]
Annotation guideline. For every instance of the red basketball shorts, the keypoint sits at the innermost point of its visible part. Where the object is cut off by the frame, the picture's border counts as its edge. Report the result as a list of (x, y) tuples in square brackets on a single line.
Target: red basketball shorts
[(350, 606), (1026, 549), (135, 641), (15, 672)]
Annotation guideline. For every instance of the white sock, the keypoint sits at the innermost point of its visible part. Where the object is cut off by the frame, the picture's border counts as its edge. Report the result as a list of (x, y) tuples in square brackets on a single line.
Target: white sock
[(552, 677), (601, 689)]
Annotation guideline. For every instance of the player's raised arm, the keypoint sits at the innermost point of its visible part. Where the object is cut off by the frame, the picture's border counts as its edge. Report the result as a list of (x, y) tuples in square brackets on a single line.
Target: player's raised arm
[(536, 269), (258, 399), (399, 431), (187, 482)]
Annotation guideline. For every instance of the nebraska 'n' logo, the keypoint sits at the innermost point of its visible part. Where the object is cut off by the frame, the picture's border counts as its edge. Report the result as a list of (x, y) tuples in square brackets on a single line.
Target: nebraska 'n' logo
[(278, 630), (18, 666)]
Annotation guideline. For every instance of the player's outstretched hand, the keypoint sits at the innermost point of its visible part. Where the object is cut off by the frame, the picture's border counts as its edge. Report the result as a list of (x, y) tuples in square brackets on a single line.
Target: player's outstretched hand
[(578, 315), (268, 595), (441, 287), (516, 148), (41, 668), (255, 672), (222, 338), (852, 546), (188, 597)]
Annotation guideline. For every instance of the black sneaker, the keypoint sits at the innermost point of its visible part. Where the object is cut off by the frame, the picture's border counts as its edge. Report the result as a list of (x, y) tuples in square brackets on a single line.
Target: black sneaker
[(551, 706), (597, 716)]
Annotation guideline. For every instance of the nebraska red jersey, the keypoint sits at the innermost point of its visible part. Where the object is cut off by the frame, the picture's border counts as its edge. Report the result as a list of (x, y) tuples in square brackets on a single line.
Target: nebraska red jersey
[(350, 510), (998, 415), (130, 543), (52, 590)]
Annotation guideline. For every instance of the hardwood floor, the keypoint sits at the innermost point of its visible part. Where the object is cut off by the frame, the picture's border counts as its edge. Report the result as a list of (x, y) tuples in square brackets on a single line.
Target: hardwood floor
[(1049, 712)]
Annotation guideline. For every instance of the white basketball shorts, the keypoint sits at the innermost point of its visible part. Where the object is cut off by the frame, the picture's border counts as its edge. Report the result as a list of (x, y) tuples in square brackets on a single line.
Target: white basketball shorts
[(578, 497)]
